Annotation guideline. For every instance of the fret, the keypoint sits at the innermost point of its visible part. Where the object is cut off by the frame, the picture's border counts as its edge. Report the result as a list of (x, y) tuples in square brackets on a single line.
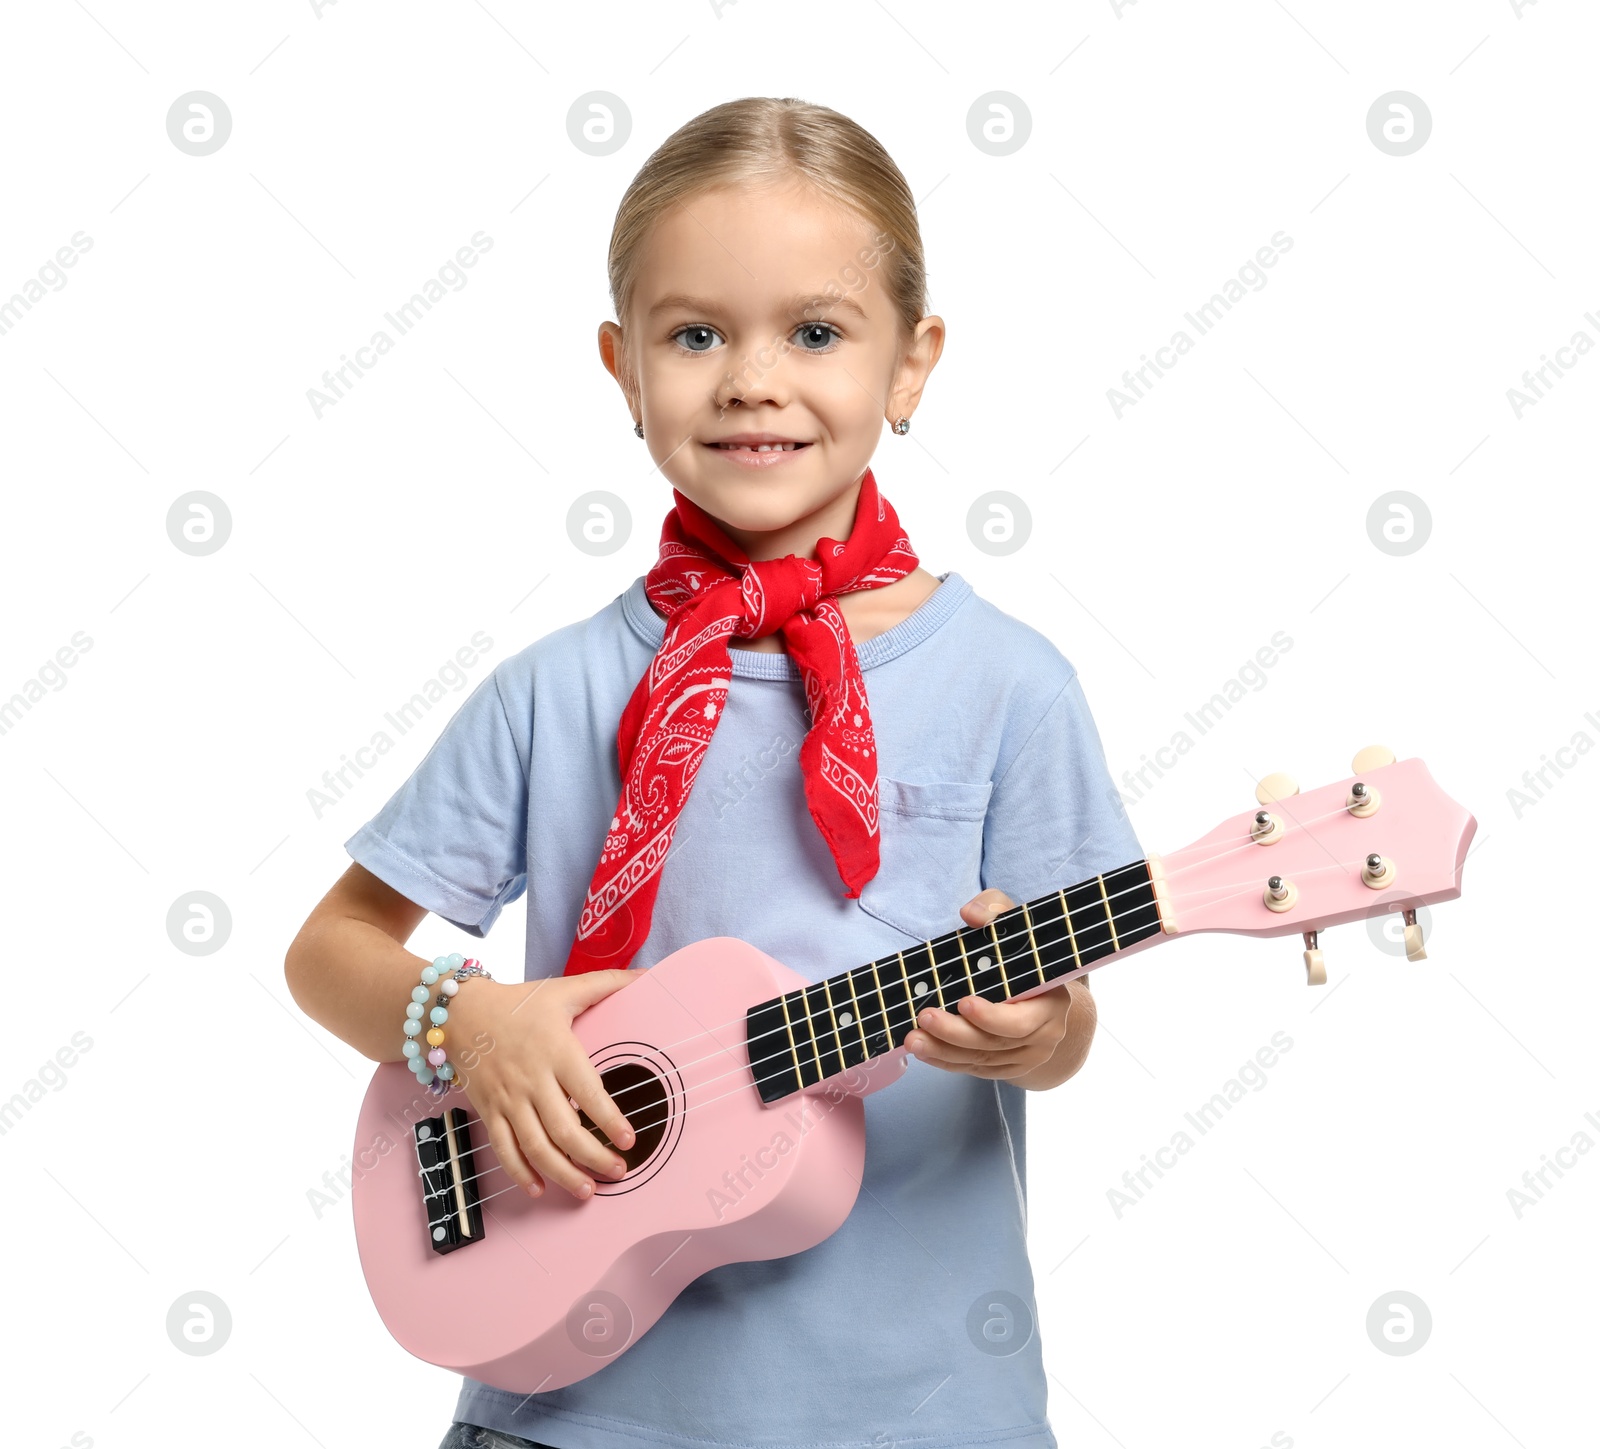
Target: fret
[(794, 1050), (933, 964), (1111, 921), (871, 1018), (1052, 935), (774, 1075), (858, 1015), (839, 1020), (1000, 959), (819, 1009), (1133, 899), (1091, 932), (1033, 945), (950, 974), (811, 1031), (966, 965), (884, 1033), (1013, 938), (1072, 939), (904, 1014), (988, 975)]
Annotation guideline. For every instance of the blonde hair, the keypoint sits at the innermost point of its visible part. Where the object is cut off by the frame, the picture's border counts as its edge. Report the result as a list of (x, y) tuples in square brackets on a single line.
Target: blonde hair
[(768, 139)]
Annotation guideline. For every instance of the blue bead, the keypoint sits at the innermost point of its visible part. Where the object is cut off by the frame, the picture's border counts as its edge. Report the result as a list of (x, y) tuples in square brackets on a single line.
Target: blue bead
[(414, 1010), (420, 993), (412, 1028), (456, 960), (425, 1075), (430, 974), (412, 1048), (446, 1072), (438, 1016)]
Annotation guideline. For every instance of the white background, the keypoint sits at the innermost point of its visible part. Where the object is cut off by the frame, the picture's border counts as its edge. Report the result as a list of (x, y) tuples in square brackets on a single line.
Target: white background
[(1168, 143)]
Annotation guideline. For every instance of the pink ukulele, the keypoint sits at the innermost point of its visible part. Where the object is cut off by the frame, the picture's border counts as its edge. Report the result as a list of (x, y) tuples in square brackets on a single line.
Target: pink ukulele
[(541, 1292)]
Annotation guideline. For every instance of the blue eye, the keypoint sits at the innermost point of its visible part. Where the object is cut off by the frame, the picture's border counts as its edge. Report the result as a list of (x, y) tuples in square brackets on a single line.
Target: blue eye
[(813, 328), (701, 334)]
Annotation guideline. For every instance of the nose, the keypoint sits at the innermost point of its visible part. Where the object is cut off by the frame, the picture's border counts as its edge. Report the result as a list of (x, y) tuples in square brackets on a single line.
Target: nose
[(758, 379)]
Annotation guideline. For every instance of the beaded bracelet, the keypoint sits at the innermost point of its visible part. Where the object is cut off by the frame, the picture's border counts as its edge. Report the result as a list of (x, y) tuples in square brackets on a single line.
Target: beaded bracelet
[(432, 1068)]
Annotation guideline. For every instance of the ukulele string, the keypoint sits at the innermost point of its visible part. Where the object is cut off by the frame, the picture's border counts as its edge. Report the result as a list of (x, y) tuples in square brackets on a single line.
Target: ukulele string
[(920, 949), (762, 1061), (751, 1068), (975, 972), (825, 1012), (917, 950), (1217, 854), (1242, 845)]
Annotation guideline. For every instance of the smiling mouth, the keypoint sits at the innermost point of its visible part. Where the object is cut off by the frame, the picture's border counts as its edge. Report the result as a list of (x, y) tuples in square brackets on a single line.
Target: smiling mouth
[(758, 447)]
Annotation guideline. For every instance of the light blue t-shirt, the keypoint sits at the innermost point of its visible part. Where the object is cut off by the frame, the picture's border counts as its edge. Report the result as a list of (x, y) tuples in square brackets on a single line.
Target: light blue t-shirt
[(893, 1330)]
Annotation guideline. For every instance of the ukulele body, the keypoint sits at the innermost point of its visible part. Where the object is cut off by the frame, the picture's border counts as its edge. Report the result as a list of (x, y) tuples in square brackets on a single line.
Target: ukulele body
[(547, 1290)]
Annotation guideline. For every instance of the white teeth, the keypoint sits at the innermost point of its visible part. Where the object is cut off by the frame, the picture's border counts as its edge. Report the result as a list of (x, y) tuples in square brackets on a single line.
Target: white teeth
[(759, 447)]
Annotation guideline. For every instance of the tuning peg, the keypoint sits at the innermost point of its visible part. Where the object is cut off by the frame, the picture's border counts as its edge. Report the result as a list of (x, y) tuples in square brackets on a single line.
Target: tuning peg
[(1362, 800), (1414, 947), (1377, 872), (1275, 787), (1280, 894), (1266, 829), (1316, 971), (1374, 757)]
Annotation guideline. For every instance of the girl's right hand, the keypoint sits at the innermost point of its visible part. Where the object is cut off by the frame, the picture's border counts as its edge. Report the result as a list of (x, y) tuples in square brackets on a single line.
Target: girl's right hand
[(522, 1067)]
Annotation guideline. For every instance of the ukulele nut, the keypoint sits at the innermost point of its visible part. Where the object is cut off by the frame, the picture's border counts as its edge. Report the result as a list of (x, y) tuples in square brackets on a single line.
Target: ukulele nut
[(1363, 800), (1266, 829), (1280, 894), (1377, 872)]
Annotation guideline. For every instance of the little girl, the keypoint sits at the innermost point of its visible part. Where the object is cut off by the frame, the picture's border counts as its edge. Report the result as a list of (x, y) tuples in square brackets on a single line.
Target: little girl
[(788, 732)]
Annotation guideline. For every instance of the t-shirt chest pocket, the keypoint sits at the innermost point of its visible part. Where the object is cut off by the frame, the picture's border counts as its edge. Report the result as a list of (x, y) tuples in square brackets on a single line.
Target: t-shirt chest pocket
[(930, 850)]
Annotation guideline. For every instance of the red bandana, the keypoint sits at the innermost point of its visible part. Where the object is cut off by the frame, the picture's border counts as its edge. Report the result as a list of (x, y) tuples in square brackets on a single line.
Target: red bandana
[(708, 589)]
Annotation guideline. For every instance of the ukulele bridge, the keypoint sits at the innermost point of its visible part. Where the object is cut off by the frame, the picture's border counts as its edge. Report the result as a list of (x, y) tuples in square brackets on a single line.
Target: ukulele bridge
[(449, 1181)]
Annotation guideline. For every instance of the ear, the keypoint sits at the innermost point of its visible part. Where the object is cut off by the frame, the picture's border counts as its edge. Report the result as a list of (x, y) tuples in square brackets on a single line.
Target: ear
[(916, 362), (614, 355)]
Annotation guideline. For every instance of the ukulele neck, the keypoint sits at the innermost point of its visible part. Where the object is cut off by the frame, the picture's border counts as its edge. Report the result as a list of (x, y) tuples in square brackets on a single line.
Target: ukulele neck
[(805, 1036)]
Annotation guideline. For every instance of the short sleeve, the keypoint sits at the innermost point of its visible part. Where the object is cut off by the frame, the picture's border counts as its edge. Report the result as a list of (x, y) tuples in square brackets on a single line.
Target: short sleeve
[(1054, 817), (453, 837)]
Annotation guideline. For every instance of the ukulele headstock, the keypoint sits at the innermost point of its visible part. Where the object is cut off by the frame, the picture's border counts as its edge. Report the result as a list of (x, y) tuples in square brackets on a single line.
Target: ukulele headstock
[(1386, 838)]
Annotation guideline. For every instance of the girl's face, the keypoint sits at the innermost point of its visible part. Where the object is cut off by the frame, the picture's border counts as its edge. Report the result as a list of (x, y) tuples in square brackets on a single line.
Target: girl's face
[(760, 315)]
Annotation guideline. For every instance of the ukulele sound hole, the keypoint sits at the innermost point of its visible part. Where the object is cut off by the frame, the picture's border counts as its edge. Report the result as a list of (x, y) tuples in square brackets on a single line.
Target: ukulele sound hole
[(641, 1096)]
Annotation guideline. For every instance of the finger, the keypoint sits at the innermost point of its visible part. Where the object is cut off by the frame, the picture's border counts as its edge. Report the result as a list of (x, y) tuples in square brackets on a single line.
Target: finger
[(948, 1056), (581, 990), (582, 1082), (947, 1026), (592, 986), (929, 1048), (1014, 1018), (985, 906), (508, 1152), (560, 1120), (548, 1159), (1002, 1072)]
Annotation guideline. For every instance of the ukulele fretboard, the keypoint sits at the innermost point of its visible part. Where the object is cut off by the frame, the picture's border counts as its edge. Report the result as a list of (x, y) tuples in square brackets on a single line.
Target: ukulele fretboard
[(805, 1036)]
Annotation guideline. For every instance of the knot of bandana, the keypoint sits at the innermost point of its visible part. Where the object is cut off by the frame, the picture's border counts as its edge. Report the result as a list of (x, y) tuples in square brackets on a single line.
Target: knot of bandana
[(709, 590)]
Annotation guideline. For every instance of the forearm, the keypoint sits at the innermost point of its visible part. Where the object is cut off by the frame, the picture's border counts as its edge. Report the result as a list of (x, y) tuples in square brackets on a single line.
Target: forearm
[(355, 979), (1073, 1048)]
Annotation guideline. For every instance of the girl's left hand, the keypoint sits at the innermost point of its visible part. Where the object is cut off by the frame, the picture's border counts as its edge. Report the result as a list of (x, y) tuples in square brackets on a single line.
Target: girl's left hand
[(989, 1038)]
